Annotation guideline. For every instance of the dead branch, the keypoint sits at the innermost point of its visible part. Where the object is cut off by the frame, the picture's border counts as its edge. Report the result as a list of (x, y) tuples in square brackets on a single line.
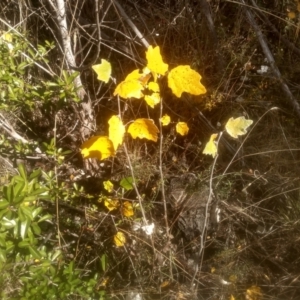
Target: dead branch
[(86, 111), (291, 99), (131, 24)]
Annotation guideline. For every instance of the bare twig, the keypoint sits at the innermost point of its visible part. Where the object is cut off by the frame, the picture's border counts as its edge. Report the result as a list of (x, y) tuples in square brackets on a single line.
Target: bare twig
[(131, 24), (163, 183), (10, 130)]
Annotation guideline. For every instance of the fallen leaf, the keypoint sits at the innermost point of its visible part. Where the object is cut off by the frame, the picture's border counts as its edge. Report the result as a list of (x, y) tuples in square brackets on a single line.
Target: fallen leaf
[(108, 186), (100, 147), (103, 70), (184, 79), (253, 293), (238, 126), (143, 128), (155, 61), (127, 209), (119, 239), (211, 147), (165, 284), (148, 229), (111, 204), (291, 15), (182, 128), (165, 120), (116, 131)]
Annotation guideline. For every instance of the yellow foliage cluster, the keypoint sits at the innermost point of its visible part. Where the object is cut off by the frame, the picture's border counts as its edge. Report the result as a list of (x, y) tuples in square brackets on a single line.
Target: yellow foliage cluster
[(180, 79)]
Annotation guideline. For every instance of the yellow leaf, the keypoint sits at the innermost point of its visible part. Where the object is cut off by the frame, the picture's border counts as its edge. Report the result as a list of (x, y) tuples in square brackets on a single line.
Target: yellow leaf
[(152, 99), (291, 15), (182, 128), (100, 147), (111, 204), (231, 297), (211, 148), (6, 36), (103, 283), (129, 89), (108, 186), (153, 86), (141, 77), (120, 239), (155, 61), (238, 126), (184, 79), (165, 120), (143, 128), (253, 293), (116, 131), (103, 70), (127, 209)]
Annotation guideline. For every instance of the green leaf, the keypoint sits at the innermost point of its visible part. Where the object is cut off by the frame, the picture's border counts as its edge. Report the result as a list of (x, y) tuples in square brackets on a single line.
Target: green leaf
[(103, 262), (24, 228), (4, 212), (18, 178), (55, 255), (36, 228), (18, 188), (8, 223), (35, 174), (18, 200), (8, 193), (36, 212), (126, 183), (26, 212), (34, 252), (22, 171), (2, 255), (29, 198), (2, 239), (24, 244), (45, 217), (3, 204), (10, 247), (38, 191)]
